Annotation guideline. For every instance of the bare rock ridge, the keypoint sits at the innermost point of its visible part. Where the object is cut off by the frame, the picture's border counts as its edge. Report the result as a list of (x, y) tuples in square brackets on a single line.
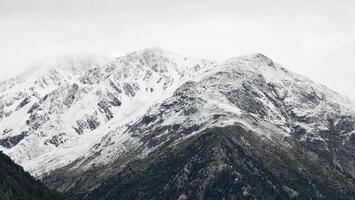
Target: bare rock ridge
[(95, 129)]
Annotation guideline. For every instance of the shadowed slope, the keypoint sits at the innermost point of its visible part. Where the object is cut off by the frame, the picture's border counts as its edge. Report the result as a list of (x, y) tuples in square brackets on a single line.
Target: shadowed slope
[(15, 183)]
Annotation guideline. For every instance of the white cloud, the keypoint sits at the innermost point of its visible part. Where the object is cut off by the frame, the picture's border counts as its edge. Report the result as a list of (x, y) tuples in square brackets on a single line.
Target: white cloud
[(314, 38)]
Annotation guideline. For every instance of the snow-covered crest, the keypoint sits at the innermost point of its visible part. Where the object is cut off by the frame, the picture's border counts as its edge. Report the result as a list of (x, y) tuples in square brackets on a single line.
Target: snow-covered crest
[(92, 112)]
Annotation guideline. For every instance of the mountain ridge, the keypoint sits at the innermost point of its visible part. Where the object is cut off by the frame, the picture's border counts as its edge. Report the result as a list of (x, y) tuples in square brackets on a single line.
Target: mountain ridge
[(66, 131)]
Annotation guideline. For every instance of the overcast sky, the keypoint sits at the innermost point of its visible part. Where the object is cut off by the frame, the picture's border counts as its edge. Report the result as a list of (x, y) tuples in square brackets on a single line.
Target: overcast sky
[(315, 38)]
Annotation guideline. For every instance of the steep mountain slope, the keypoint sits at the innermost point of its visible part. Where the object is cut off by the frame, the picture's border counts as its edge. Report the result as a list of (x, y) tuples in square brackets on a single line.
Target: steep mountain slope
[(16, 184), (56, 115), (102, 130), (227, 163)]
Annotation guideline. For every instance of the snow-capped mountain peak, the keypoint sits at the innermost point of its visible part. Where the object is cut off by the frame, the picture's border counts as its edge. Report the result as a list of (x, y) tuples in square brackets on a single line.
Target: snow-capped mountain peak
[(76, 100), (79, 112)]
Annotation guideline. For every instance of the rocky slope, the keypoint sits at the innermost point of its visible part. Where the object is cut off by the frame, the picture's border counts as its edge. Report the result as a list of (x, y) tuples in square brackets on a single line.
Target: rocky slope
[(227, 163), (103, 127), (57, 114)]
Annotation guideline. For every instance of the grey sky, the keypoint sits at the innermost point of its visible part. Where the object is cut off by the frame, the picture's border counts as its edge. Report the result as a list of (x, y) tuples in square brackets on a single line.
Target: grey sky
[(315, 38)]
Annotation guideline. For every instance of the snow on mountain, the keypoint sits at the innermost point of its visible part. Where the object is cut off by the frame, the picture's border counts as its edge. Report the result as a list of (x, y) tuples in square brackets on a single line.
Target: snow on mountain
[(58, 113), (252, 89), (83, 113)]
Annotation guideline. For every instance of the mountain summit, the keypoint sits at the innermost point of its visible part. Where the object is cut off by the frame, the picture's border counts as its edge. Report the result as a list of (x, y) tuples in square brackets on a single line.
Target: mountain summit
[(156, 125)]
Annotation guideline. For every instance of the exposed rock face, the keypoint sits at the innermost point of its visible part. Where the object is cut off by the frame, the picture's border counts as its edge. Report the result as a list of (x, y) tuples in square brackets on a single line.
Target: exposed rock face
[(12, 141), (71, 95), (57, 140), (90, 122), (243, 129), (2, 107), (23, 103)]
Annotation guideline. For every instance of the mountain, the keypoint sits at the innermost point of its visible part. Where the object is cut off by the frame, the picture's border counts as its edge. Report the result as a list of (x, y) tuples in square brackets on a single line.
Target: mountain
[(16, 184), (153, 125)]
